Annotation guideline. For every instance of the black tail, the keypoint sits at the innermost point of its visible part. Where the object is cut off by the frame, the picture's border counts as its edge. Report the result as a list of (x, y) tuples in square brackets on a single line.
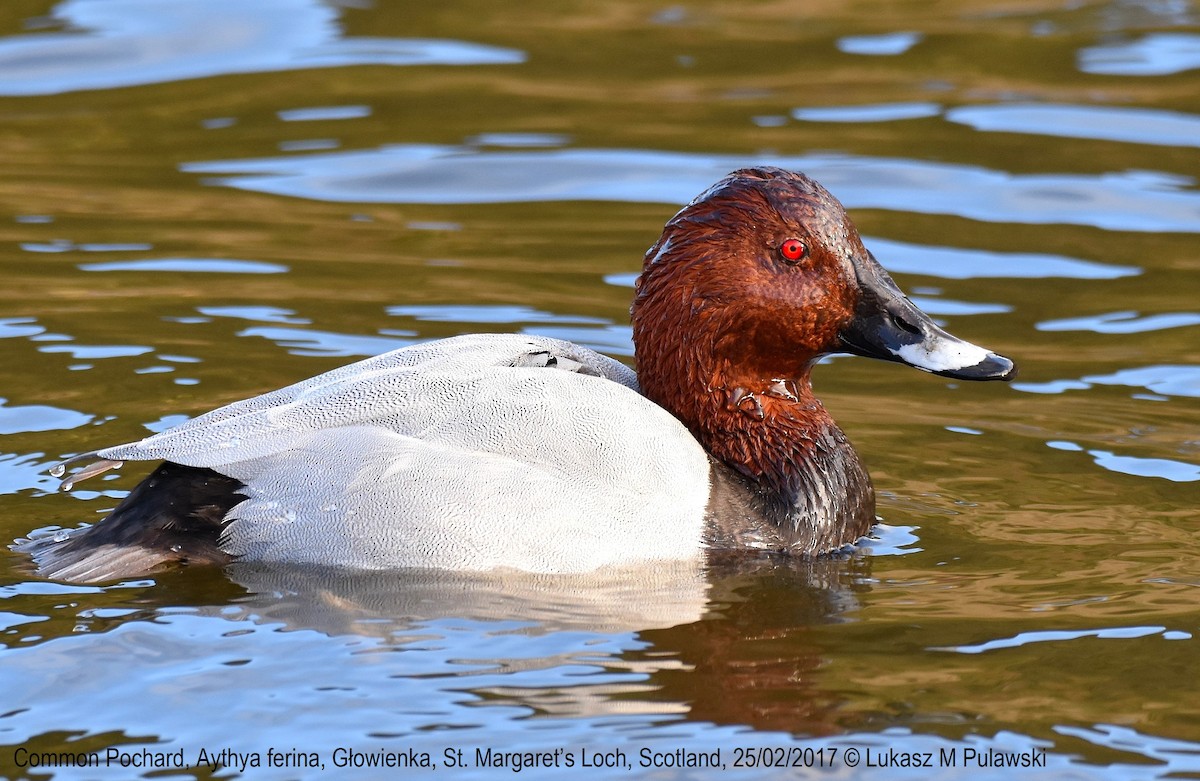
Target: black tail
[(174, 516)]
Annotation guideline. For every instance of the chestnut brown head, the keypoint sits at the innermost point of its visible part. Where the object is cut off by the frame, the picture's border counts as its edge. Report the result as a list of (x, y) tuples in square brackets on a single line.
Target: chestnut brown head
[(763, 273)]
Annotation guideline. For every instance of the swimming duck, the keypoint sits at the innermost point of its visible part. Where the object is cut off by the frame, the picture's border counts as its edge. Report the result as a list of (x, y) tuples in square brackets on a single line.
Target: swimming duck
[(500, 450)]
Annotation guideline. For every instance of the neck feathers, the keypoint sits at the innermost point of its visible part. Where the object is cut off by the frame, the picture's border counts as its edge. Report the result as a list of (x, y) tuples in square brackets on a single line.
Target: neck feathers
[(813, 491), (783, 455), (742, 389)]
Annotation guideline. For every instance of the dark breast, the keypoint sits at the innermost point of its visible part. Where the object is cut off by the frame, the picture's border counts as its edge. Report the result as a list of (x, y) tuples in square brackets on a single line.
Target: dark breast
[(828, 503)]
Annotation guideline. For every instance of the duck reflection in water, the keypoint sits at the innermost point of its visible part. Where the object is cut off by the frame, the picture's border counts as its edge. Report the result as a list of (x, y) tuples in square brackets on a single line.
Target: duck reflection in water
[(727, 642)]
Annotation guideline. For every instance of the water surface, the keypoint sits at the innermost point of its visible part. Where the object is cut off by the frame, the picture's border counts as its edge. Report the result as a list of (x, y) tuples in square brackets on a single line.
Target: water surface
[(203, 201)]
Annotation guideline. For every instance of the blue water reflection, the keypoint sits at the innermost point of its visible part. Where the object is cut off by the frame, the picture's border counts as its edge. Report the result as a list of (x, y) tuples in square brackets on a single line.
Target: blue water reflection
[(19, 327), (488, 314), (1122, 322), (947, 306), (257, 314), (300, 341), (386, 659), (1156, 54), (876, 112), (121, 43), (594, 332), (1179, 758), (1060, 635), (963, 263), (1135, 466), (427, 663), (884, 45), (426, 173), (1166, 380), (324, 113), (21, 472), (1108, 123), (92, 352), (189, 266), (288, 330), (38, 417)]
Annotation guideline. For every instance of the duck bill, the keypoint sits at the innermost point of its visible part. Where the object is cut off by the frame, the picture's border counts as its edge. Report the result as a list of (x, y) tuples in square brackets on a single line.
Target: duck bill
[(890, 327)]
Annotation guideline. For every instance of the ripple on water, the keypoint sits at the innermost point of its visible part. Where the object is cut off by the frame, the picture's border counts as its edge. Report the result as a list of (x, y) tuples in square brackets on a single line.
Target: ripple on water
[(25, 472), (544, 672), (877, 112), (92, 352), (299, 341), (19, 327), (948, 306), (309, 145), (612, 339), (887, 540), (1163, 379), (148, 42), (488, 314), (165, 422), (21, 418), (963, 263), (885, 45), (1135, 466), (1122, 322), (518, 140), (1178, 757), (257, 314), (429, 174), (189, 266), (66, 245), (1108, 123), (1058, 636), (323, 113), (1156, 54), (594, 332)]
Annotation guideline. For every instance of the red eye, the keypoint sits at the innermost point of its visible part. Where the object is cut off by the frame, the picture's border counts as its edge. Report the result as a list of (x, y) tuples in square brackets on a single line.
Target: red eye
[(793, 249)]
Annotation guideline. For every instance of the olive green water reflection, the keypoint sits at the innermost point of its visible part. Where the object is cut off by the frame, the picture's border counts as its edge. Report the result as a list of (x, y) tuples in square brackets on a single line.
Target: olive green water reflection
[(1047, 595)]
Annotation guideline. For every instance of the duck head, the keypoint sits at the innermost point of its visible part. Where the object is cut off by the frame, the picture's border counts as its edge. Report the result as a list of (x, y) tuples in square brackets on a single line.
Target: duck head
[(762, 274), (747, 287)]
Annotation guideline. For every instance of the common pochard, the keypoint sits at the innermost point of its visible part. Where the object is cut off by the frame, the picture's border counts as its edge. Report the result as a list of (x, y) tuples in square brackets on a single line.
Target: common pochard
[(490, 451)]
